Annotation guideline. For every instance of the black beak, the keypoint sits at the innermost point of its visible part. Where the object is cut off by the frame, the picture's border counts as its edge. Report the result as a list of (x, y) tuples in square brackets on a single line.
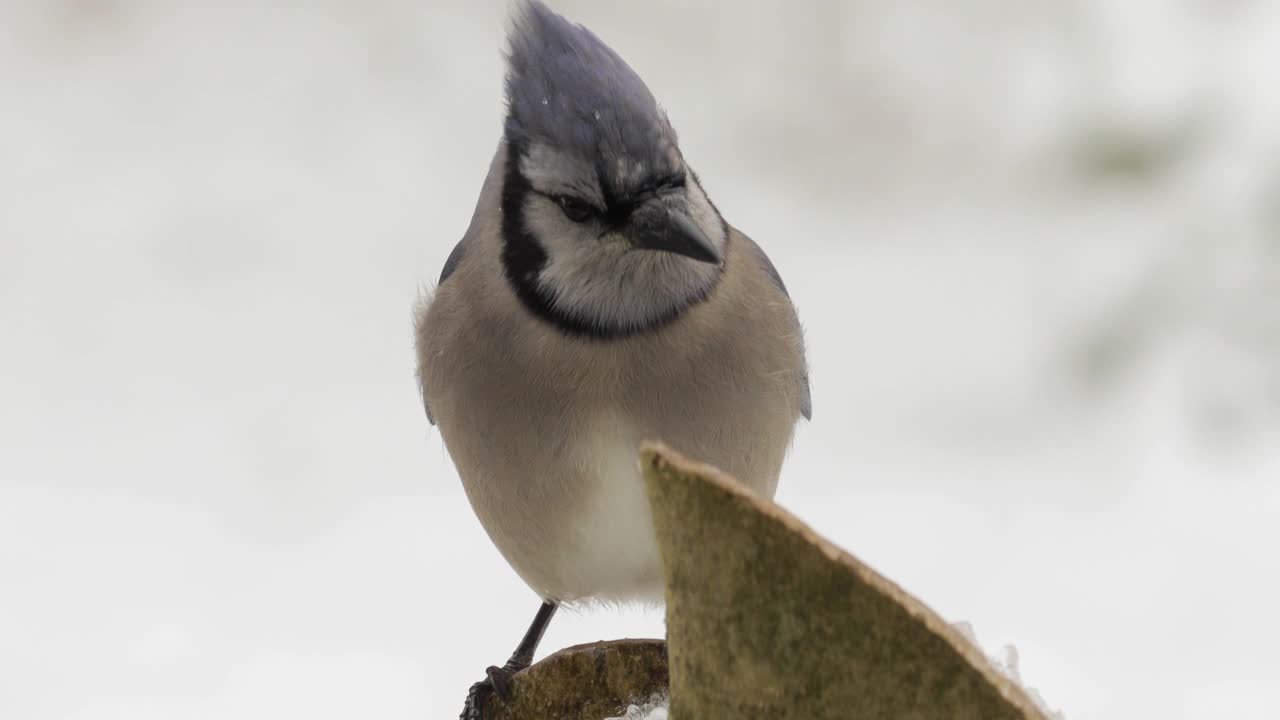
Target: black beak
[(673, 232)]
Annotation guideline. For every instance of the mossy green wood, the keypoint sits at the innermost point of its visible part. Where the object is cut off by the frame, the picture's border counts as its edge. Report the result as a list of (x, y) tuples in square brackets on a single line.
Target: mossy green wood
[(765, 619), (586, 682)]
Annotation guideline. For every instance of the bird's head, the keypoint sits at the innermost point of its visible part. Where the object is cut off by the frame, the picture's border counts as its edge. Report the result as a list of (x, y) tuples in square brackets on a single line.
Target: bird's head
[(606, 230)]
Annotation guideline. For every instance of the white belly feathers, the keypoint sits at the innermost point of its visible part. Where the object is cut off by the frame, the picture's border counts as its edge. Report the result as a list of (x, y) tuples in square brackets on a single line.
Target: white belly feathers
[(610, 551)]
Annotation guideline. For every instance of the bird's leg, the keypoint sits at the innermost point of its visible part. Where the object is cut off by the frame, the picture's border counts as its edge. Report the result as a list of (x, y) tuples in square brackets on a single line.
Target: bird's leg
[(498, 679)]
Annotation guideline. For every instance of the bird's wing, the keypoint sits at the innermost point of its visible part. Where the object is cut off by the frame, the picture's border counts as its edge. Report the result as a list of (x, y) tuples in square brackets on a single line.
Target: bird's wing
[(806, 399), (450, 265), (485, 226)]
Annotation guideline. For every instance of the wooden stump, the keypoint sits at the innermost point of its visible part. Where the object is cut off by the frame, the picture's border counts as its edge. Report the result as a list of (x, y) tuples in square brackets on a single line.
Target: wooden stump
[(586, 682), (765, 619)]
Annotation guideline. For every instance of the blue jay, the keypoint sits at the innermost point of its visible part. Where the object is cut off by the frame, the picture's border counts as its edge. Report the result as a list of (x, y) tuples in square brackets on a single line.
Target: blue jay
[(598, 299)]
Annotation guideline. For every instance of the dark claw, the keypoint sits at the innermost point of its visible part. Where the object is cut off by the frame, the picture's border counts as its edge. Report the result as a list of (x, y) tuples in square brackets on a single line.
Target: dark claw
[(477, 697), (500, 680)]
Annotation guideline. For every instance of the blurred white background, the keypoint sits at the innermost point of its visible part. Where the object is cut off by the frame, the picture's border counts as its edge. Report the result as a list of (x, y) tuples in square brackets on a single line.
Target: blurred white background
[(1036, 246)]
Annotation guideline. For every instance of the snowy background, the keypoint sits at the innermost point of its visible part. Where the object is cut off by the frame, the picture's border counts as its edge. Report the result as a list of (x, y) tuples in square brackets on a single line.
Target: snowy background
[(1036, 246)]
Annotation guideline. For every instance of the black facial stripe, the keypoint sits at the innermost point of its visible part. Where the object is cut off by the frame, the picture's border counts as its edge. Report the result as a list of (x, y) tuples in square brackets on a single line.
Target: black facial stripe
[(523, 259)]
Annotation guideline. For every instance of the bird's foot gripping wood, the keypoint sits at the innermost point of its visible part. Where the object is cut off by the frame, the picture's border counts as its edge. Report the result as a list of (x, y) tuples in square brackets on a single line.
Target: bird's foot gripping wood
[(477, 698), (497, 682)]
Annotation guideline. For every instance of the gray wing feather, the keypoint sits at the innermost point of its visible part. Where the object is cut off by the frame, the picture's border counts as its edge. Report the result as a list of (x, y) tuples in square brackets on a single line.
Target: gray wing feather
[(450, 265), (806, 399)]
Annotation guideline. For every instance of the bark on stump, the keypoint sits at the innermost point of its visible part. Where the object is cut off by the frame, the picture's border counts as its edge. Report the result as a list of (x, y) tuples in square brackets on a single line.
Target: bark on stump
[(586, 682)]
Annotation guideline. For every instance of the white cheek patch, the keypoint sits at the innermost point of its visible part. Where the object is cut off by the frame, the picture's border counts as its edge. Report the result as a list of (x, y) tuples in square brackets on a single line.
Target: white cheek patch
[(554, 173), (579, 260), (602, 279), (559, 236)]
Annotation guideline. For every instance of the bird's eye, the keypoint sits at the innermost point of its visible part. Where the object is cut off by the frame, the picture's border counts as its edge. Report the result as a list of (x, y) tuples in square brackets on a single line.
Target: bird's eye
[(576, 210)]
